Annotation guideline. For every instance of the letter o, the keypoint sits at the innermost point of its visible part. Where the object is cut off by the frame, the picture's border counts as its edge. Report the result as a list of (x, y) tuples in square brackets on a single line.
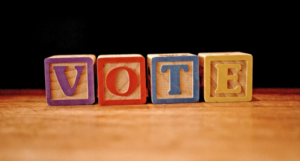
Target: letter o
[(111, 79)]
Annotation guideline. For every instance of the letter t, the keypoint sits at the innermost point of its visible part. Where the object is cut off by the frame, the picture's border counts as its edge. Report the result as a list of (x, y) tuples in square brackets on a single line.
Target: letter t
[(174, 77)]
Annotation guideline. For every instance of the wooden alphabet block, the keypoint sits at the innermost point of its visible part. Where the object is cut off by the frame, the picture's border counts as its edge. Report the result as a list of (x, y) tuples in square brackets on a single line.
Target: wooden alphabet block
[(70, 79), (174, 78), (121, 79), (227, 76)]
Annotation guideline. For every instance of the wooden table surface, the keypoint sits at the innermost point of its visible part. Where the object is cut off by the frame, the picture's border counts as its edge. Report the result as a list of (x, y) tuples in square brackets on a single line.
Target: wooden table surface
[(267, 128)]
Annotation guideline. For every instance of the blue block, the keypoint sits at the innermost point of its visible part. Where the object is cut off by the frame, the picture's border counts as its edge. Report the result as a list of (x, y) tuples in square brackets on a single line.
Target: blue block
[(174, 78)]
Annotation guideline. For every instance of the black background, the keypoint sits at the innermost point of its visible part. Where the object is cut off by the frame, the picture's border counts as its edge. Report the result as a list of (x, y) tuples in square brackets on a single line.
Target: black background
[(32, 32)]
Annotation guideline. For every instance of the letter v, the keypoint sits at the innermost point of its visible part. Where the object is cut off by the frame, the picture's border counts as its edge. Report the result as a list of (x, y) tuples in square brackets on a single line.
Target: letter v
[(63, 81)]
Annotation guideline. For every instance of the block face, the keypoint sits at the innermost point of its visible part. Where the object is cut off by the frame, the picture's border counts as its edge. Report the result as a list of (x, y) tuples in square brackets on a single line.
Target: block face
[(163, 80), (227, 77), (175, 79), (230, 83), (121, 79), (69, 80), (57, 93), (122, 84)]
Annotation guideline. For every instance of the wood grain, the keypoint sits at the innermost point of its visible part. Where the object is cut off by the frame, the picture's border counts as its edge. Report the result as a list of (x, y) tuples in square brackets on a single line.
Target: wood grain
[(93, 57), (267, 128)]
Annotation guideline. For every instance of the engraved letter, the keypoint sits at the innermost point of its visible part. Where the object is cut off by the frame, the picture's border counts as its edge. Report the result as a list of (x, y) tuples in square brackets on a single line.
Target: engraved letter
[(111, 79), (63, 80), (223, 78), (174, 77)]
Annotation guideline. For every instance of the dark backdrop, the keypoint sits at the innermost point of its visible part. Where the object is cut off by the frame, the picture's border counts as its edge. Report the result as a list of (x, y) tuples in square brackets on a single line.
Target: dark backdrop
[(32, 32)]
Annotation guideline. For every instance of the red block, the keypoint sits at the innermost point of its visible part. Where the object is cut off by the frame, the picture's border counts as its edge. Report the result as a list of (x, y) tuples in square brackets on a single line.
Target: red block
[(121, 79)]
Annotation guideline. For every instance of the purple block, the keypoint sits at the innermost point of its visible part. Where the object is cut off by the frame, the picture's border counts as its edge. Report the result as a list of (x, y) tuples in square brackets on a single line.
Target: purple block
[(70, 80)]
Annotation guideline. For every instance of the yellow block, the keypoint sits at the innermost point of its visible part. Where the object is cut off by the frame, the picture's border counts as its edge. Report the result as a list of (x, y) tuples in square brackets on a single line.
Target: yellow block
[(227, 77)]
